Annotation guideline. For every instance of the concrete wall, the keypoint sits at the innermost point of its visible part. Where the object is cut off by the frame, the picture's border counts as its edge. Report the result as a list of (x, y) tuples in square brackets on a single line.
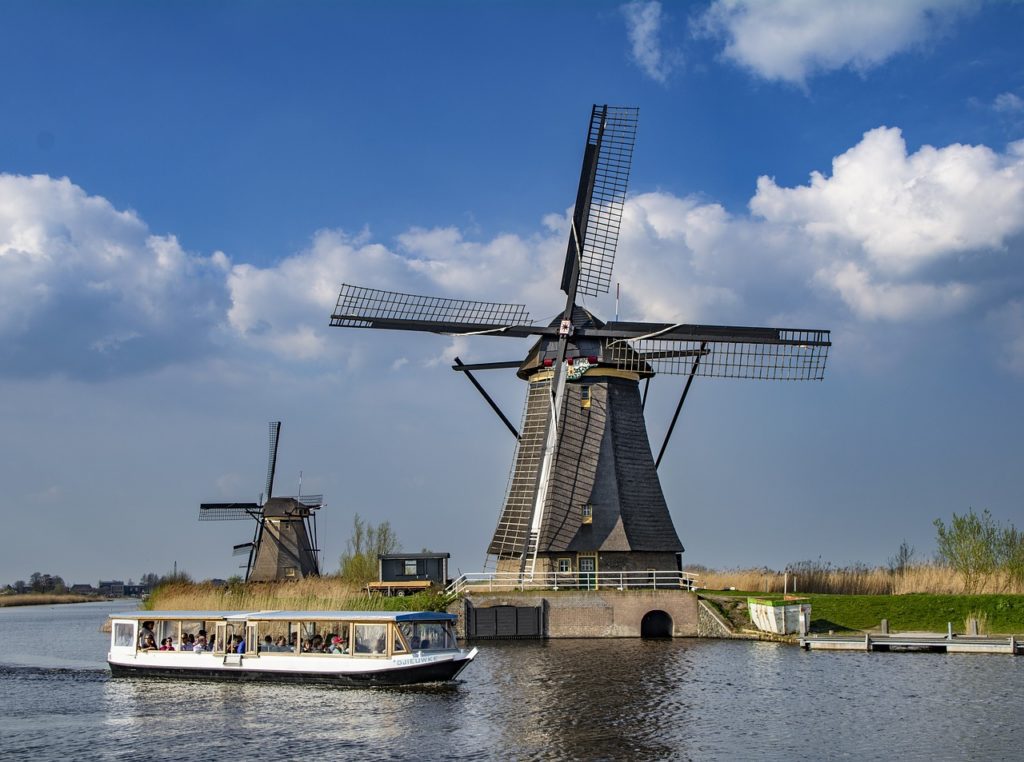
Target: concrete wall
[(598, 614)]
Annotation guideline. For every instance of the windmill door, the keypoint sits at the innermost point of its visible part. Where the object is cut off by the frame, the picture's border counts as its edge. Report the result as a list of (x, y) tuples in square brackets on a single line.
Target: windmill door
[(587, 565)]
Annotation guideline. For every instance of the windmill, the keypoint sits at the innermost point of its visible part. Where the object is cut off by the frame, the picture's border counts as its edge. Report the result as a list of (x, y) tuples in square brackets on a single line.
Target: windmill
[(584, 485), (284, 541)]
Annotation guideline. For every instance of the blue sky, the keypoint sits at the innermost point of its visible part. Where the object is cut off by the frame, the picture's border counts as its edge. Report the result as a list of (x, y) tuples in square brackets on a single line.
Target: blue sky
[(183, 187)]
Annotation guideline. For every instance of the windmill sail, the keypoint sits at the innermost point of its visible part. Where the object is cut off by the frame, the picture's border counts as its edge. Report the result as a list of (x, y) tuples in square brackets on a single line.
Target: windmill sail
[(360, 307), (607, 158)]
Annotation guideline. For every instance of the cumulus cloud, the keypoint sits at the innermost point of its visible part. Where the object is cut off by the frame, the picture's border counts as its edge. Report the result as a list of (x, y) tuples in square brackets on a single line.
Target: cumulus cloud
[(889, 235), (904, 209), (893, 229), (790, 40), (644, 26), (87, 287)]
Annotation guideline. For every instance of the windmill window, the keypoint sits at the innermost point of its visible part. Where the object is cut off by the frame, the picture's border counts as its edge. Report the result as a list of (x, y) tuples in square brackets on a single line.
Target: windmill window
[(564, 565), (585, 396), (588, 513), (290, 572)]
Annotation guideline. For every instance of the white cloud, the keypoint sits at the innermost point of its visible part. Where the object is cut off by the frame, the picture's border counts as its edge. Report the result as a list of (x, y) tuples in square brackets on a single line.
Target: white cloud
[(86, 289), (898, 213), (790, 40), (81, 281), (643, 25), (1008, 103)]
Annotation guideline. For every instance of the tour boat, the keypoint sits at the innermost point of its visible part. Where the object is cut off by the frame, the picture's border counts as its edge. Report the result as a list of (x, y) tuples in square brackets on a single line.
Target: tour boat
[(336, 647)]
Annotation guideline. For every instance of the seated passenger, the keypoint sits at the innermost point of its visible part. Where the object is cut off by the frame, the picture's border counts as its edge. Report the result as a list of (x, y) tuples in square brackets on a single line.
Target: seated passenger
[(268, 644), (281, 644), (166, 645), (338, 646), (200, 644), (317, 645), (149, 643)]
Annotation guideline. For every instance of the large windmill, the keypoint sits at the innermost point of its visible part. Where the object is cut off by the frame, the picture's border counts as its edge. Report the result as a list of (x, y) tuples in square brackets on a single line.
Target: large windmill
[(284, 541), (584, 488)]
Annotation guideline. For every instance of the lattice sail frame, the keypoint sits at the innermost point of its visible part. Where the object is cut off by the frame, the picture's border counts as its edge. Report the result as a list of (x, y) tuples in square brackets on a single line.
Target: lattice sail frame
[(614, 158), (360, 307), (796, 355)]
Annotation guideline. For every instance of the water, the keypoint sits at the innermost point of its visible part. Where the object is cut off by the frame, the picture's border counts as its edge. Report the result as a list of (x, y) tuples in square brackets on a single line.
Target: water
[(609, 699)]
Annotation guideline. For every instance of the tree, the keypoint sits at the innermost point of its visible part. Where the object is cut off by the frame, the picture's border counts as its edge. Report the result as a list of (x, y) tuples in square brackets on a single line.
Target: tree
[(903, 559), (972, 546), (359, 561)]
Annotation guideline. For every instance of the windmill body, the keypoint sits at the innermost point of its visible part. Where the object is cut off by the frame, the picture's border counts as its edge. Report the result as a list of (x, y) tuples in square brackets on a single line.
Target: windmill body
[(584, 495), (284, 539)]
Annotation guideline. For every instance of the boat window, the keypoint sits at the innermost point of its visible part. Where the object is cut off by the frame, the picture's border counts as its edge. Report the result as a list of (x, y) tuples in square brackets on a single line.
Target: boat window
[(325, 637), (124, 634), (428, 636), (276, 638), (399, 645), (371, 638)]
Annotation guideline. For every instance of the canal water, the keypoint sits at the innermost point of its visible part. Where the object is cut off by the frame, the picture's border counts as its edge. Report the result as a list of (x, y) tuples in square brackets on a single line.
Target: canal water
[(569, 699)]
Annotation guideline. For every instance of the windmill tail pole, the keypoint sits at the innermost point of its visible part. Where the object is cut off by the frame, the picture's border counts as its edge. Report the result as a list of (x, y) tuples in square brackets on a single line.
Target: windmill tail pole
[(679, 407), (487, 397)]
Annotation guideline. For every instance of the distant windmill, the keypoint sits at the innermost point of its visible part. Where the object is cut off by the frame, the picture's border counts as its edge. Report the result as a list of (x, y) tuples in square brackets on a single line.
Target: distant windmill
[(584, 486), (284, 541)]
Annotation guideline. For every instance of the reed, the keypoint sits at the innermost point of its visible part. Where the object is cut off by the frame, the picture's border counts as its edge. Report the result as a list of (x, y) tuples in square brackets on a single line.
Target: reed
[(310, 594), (43, 599), (816, 577)]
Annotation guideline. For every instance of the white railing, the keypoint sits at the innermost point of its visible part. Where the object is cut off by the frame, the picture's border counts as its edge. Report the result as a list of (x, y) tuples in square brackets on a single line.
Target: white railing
[(602, 580)]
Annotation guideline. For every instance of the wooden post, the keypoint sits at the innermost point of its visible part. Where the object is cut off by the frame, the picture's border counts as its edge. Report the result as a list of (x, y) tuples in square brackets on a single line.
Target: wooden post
[(885, 626)]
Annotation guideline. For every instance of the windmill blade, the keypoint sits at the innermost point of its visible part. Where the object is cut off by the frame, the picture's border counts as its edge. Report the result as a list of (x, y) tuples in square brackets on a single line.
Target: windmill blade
[(275, 433), (242, 550), (229, 511), (360, 307), (757, 353), (607, 159)]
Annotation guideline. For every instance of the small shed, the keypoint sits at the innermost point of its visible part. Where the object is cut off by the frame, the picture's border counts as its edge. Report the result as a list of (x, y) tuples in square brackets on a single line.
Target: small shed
[(399, 573)]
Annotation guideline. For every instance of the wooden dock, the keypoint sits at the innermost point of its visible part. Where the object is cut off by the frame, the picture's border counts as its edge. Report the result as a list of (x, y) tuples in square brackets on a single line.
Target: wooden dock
[(927, 642)]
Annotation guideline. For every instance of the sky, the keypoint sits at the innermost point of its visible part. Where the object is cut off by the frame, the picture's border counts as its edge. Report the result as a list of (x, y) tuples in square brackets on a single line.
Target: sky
[(185, 186)]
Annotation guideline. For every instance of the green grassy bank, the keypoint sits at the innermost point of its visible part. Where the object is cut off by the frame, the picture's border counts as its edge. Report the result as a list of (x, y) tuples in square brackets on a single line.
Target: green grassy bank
[(997, 614)]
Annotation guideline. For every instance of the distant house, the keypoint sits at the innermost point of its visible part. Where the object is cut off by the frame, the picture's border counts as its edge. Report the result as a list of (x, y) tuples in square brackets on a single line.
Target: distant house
[(113, 588), (135, 591), (401, 573), (83, 589)]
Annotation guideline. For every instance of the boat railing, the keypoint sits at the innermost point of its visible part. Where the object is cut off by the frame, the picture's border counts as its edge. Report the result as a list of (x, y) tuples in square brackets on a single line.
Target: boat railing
[(569, 581)]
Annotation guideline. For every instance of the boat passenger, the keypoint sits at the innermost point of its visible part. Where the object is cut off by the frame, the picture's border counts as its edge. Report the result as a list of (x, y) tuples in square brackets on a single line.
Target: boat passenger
[(338, 646), (144, 633), (281, 644), (166, 645), (149, 644), (200, 644), (268, 644), (317, 646), (239, 644)]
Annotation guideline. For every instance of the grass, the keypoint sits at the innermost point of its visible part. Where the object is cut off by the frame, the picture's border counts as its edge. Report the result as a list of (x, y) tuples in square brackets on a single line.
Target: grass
[(311, 594), (43, 599), (815, 577), (999, 614)]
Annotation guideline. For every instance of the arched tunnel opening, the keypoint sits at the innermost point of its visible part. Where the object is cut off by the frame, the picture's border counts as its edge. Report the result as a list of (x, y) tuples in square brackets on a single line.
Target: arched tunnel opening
[(656, 624)]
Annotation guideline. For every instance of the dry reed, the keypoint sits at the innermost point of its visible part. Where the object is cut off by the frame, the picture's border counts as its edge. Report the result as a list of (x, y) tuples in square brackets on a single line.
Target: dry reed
[(43, 599), (310, 594), (855, 580)]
